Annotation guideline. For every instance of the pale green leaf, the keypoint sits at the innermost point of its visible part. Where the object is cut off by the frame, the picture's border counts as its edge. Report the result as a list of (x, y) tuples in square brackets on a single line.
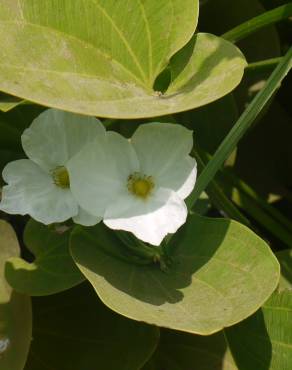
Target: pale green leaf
[(102, 57), (218, 276), (53, 269), (75, 331), (15, 310), (264, 341)]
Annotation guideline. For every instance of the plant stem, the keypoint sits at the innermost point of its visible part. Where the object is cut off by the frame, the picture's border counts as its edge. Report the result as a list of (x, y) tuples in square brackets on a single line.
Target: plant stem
[(263, 65), (247, 28)]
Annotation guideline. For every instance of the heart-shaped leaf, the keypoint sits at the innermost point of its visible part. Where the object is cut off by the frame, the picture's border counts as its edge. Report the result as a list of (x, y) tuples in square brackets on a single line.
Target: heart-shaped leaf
[(15, 310), (218, 276), (75, 331), (264, 341), (103, 57), (53, 269)]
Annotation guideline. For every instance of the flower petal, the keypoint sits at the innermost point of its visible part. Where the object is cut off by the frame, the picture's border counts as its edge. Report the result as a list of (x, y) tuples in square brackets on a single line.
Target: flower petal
[(86, 219), (149, 220), (31, 190), (160, 146), (55, 136), (180, 177), (99, 172)]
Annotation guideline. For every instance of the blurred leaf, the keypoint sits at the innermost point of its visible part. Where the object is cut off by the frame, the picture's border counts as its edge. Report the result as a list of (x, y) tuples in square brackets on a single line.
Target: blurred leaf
[(75, 331), (217, 195), (217, 278), (181, 351), (9, 137), (110, 71), (217, 118), (264, 155), (15, 310), (285, 259), (264, 341), (53, 269), (203, 205)]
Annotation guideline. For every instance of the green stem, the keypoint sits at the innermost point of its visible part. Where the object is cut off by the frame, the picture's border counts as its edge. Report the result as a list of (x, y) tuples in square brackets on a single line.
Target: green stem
[(141, 253), (264, 65), (241, 126), (247, 28)]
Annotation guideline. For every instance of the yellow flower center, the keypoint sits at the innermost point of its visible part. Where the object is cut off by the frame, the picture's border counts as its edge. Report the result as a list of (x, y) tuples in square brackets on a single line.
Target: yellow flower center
[(140, 185), (61, 177)]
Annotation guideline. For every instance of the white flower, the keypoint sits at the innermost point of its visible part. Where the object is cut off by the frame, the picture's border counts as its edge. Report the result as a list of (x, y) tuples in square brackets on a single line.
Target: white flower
[(40, 186), (137, 185)]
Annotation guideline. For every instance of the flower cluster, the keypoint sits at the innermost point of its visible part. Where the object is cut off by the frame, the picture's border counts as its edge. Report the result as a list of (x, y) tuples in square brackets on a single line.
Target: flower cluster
[(78, 169)]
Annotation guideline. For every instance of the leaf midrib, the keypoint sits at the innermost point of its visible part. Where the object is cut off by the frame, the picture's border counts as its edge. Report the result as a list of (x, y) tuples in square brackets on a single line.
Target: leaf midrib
[(124, 40)]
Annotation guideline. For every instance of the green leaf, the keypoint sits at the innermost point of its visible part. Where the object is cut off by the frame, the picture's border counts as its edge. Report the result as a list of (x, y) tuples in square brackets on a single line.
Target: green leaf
[(75, 331), (53, 269), (218, 276), (182, 351), (285, 259), (106, 55), (15, 310), (8, 102), (241, 126), (264, 341), (255, 24)]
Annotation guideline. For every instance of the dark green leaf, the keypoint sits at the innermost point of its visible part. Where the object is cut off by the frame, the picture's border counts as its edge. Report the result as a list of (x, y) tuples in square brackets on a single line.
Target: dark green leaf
[(75, 331), (264, 341), (53, 269), (181, 351)]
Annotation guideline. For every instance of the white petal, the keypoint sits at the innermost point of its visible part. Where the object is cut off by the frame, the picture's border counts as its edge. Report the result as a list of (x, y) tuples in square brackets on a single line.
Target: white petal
[(99, 172), (180, 177), (55, 136), (86, 219), (149, 220), (31, 190), (160, 146)]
